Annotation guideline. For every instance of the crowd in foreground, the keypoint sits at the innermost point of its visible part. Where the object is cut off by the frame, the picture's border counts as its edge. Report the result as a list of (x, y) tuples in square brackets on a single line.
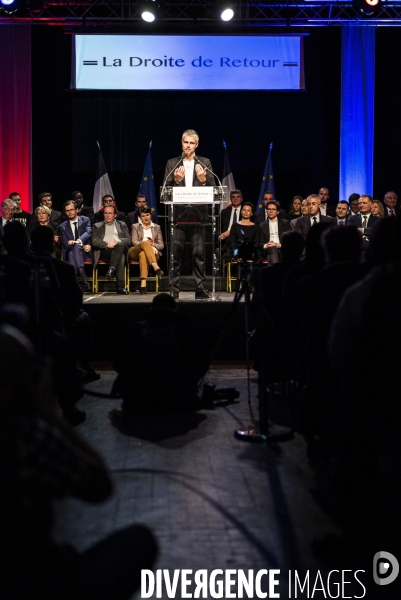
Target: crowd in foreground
[(327, 322)]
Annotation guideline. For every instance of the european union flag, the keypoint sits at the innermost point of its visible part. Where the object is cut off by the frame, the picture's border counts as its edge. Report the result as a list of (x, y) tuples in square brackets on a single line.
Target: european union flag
[(268, 179), (147, 186)]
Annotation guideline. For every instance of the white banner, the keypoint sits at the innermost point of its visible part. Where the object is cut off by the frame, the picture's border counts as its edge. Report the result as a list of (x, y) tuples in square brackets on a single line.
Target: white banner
[(161, 62), (193, 195)]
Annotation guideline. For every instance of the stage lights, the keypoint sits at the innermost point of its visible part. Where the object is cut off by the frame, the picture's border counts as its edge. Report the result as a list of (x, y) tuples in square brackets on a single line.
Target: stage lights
[(148, 10), (7, 2), (225, 10), (368, 8)]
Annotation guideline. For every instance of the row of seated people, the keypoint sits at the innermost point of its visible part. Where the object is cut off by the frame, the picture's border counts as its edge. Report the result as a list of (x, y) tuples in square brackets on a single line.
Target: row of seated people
[(109, 239), (239, 224), (14, 212), (298, 208), (112, 243)]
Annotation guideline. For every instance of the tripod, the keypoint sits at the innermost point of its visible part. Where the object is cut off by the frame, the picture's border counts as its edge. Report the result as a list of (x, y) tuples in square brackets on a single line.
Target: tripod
[(266, 431)]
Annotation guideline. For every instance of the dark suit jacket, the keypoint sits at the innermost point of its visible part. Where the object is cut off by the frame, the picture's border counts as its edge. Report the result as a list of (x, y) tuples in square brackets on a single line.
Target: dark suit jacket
[(396, 210), (260, 215), (330, 210), (356, 221), (303, 224), (174, 163), (347, 218), (283, 226), (132, 218), (99, 229), (84, 231)]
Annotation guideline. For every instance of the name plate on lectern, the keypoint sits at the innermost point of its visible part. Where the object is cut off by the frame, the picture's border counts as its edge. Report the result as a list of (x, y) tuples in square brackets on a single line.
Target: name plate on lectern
[(193, 195)]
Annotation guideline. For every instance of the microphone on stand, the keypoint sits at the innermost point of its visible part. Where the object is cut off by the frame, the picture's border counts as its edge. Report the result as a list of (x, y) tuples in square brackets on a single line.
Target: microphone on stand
[(172, 170), (212, 172)]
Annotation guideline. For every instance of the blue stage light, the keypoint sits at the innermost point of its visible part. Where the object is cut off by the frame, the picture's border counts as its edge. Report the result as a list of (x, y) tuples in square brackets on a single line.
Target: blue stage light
[(7, 2)]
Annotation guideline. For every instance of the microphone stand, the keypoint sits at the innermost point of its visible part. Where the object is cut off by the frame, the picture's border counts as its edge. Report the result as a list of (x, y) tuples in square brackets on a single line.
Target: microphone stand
[(171, 219)]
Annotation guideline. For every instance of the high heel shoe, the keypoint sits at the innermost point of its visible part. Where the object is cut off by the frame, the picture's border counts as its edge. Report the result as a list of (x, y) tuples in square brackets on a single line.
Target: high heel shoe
[(143, 290), (159, 273)]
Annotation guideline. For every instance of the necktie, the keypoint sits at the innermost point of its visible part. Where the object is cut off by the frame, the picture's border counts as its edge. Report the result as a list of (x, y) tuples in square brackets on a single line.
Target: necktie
[(365, 222), (76, 236), (341, 222), (392, 213), (235, 216), (314, 221)]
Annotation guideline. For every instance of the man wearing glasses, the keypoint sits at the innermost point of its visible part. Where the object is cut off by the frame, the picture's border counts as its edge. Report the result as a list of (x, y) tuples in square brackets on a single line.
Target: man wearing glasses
[(271, 232)]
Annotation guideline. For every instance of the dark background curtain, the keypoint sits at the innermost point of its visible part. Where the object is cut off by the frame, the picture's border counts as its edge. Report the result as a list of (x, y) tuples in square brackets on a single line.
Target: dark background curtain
[(15, 112), (304, 126)]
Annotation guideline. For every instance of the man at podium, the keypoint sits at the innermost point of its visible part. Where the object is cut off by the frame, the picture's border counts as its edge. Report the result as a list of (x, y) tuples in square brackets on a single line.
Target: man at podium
[(189, 170)]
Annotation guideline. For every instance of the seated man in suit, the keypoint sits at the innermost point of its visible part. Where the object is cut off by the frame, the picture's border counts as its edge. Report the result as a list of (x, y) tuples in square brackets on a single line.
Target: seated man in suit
[(83, 210), (342, 213), (132, 217), (261, 212), (75, 239), (326, 209), (271, 232), (364, 221), (229, 216), (391, 204), (111, 240), (7, 211), (304, 224), (108, 200)]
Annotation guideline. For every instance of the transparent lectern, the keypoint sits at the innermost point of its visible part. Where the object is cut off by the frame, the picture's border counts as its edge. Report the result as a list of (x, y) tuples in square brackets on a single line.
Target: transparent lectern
[(190, 206)]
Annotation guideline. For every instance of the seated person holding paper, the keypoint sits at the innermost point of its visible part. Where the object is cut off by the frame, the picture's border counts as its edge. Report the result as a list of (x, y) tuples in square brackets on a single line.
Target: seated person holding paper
[(147, 242)]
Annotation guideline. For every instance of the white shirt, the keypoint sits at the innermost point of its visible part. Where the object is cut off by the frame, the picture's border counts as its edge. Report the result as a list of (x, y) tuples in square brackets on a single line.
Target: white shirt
[(73, 230), (323, 209), (273, 229), (238, 211), (189, 166), (312, 217)]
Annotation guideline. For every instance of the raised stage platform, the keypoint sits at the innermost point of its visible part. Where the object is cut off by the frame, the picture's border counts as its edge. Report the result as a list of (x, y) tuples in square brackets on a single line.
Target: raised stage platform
[(112, 315)]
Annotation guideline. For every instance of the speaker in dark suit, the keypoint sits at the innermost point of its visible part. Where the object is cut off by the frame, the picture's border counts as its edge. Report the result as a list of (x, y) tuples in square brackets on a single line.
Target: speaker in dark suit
[(189, 170)]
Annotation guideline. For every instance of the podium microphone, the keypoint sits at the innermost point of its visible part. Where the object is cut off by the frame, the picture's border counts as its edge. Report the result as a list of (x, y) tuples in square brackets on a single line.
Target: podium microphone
[(172, 170), (212, 172)]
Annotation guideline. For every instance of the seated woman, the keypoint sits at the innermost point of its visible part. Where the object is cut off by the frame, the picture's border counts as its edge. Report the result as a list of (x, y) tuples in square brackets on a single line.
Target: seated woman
[(147, 242), (295, 208), (377, 209), (247, 231), (42, 214)]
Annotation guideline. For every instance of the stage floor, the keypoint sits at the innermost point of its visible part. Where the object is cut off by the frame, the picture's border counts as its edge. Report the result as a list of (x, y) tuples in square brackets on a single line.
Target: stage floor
[(136, 297)]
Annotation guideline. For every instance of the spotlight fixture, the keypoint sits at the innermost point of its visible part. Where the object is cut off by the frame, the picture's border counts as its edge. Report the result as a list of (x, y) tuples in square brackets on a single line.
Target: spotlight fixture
[(148, 10), (225, 10), (7, 2), (367, 8)]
